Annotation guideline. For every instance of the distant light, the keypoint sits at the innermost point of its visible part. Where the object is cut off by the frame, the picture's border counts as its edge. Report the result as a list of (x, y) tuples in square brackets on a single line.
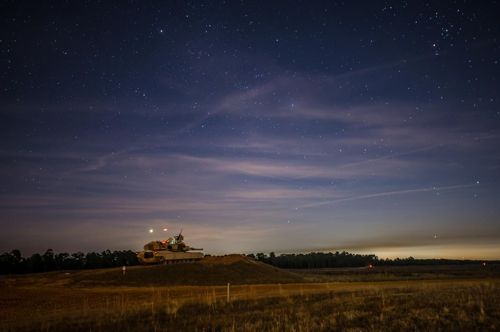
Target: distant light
[(165, 229), (151, 230)]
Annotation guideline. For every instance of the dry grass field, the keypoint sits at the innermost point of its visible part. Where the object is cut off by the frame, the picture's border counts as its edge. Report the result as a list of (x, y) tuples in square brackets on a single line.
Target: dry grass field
[(104, 300)]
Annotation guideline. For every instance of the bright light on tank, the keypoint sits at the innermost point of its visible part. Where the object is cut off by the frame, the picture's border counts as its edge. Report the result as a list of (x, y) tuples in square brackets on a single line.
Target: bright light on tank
[(165, 229), (151, 230)]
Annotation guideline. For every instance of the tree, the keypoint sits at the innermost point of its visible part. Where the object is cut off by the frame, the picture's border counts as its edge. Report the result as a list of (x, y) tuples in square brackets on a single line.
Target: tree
[(36, 263), (261, 257), (48, 260)]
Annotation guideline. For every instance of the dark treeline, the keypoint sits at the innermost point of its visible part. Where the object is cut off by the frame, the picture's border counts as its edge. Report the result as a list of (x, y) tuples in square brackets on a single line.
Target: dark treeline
[(13, 262), (317, 260)]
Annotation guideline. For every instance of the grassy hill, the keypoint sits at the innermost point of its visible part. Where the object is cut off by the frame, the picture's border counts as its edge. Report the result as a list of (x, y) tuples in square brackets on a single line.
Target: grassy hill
[(214, 270)]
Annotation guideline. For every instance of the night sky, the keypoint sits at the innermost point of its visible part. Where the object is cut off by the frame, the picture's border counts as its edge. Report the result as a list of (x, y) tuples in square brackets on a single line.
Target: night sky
[(255, 126)]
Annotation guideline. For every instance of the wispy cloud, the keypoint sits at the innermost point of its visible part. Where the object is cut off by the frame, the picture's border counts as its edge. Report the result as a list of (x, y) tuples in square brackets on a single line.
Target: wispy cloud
[(389, 193)]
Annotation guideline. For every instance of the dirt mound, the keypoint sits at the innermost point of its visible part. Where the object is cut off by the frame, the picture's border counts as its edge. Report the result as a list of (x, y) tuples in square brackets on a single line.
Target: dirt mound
[(212, 270)]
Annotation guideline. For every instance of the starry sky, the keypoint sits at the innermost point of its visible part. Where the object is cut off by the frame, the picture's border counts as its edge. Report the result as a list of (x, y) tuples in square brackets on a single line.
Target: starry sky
[(254, 126)]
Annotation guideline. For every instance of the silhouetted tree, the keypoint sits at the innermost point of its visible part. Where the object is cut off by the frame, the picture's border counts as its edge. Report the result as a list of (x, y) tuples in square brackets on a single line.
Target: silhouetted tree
[(13, 262)]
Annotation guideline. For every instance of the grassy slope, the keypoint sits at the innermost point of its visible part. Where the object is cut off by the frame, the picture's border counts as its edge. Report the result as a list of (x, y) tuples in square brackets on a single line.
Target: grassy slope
[(234, 269)]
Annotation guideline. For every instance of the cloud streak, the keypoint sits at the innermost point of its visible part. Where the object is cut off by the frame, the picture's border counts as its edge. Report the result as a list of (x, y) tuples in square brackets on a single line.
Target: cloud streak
[(389, 193)]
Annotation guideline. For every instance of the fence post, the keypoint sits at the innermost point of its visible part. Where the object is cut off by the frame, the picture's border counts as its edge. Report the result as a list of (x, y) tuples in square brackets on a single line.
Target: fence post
[(228, 295)]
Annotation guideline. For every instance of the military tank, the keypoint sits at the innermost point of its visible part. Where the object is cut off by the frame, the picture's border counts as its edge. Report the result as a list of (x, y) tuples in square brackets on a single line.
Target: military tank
[(170, 251)]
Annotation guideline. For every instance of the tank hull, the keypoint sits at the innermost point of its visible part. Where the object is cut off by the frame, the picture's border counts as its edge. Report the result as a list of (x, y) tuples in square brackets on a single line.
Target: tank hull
[(167, 257)]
